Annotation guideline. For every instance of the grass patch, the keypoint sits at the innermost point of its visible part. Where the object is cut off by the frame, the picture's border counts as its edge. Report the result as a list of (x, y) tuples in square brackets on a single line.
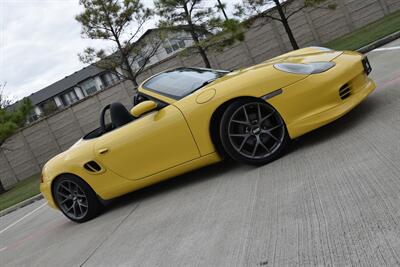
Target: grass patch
[(367, 34), (22, 190)]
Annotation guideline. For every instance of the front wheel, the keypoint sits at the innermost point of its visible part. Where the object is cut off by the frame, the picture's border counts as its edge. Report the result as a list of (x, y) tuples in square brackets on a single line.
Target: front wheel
[(76, 199), (253, 132)]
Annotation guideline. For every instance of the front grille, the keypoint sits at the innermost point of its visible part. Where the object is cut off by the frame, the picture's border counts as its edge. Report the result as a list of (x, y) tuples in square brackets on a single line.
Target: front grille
[(345, 91), (92, 166)]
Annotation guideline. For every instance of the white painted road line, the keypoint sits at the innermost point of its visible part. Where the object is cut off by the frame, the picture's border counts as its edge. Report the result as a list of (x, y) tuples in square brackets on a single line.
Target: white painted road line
[(386, 49), (25, 216)]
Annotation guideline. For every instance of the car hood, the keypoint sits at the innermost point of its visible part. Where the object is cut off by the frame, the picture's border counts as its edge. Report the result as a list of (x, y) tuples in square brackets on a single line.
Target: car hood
[(305, 55), (266, 77)]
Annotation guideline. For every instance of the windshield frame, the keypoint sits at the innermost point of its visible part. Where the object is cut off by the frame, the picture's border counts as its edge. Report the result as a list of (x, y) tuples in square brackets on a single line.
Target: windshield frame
[(220, 73)]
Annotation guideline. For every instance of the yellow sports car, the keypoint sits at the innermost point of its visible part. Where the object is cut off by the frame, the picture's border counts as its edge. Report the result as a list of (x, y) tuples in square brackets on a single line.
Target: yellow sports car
[(187, 118)]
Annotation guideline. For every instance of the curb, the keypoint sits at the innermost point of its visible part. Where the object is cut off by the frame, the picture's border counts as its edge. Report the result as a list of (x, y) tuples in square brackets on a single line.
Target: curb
[(379, 42), (21, 204)]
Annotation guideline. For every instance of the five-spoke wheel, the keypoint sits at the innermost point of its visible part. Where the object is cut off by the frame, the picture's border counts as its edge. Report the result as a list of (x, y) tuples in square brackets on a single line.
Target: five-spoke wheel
[(76, 199), (253, 132)]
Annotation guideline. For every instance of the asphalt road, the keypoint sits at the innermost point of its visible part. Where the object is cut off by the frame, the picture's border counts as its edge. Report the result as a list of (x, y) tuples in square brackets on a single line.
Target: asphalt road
[(332, 200)]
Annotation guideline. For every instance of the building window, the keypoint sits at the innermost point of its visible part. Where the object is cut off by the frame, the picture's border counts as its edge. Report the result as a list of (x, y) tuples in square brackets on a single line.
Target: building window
[(109, 79), (91, 90), (32, 116), (173, 45), (48, 107), (89, 87), (69, 98), (141, 61)]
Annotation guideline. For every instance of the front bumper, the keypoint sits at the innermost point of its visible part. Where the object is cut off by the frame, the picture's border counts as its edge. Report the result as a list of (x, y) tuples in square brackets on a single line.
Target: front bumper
[(316, 100), (45, 188)]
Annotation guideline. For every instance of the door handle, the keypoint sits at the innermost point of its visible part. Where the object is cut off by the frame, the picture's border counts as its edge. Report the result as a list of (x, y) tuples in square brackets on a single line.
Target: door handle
[(103, 151)]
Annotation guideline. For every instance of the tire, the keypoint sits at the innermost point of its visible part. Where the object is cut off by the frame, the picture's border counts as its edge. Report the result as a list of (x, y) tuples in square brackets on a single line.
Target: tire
[(76, 199), (253, 132)]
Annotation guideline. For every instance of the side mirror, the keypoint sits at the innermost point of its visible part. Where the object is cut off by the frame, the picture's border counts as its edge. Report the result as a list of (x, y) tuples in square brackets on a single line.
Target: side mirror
[(142, 108)]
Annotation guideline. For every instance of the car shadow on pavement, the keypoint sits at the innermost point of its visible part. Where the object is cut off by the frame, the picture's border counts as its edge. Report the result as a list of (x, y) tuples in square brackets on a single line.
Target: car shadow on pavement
[(188, 179)]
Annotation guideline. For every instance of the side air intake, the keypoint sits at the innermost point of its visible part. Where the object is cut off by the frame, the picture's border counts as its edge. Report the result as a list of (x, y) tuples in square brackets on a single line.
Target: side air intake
[(92, 166), (345, 91)]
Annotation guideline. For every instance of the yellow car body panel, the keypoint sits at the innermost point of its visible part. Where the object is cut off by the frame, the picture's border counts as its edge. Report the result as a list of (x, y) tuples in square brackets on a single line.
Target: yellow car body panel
[(151, 144), (301, 97), (177, 138)]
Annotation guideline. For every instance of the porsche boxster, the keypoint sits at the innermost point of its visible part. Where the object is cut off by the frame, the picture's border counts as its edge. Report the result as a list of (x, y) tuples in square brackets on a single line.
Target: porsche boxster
[(186, 118)]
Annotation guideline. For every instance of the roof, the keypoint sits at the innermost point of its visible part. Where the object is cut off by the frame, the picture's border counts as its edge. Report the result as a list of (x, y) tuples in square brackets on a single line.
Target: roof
[(64, 84)]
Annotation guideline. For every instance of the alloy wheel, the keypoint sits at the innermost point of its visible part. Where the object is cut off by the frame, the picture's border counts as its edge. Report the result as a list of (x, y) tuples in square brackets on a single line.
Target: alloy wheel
[(256, 130), (72, 199)]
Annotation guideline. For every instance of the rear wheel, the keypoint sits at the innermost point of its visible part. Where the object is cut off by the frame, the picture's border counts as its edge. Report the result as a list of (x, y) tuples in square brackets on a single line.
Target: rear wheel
[(253, 132), (76, 199)]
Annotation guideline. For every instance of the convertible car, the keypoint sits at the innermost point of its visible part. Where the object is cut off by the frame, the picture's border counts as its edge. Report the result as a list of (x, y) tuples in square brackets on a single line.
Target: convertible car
[(186, 118)]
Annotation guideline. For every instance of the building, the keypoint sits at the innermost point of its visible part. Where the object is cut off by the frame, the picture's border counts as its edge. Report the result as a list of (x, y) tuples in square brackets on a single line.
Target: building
[(174, 40), (69, 90), (91, 79)]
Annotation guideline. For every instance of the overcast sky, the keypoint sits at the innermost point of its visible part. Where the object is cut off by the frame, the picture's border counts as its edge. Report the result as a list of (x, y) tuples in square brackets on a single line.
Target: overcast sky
[(39, 43)]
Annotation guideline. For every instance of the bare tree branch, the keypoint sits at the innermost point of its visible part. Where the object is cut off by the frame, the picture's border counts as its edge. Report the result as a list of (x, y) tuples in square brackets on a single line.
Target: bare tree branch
[(296, 11), (112, 20)]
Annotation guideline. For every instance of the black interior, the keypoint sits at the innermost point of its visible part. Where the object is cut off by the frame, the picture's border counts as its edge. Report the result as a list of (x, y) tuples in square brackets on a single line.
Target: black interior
[(119, 115)]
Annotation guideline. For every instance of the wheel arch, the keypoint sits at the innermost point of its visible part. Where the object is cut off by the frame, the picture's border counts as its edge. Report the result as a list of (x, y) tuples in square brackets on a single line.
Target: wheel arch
[(216, 118), (61, 175)]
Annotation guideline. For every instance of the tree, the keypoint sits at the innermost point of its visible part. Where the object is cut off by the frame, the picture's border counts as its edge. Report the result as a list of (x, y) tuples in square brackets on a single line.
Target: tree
[(186, 12), (263, 8), (207, 29), (118, 21), (4, 101), (11, 119), (49, 107)]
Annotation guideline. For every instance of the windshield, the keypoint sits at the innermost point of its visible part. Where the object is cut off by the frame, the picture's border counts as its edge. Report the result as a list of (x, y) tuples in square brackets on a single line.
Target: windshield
[(181, 82)]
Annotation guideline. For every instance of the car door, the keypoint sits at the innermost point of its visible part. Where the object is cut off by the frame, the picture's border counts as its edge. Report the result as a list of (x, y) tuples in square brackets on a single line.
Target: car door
[(148, 145)]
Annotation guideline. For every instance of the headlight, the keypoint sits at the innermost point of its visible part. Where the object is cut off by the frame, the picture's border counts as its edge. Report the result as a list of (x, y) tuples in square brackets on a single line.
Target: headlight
[(322, 49), (309, 68)]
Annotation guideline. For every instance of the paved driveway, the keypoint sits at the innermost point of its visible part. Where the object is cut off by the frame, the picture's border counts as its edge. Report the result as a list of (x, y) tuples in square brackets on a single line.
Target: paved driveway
[(333, 200)]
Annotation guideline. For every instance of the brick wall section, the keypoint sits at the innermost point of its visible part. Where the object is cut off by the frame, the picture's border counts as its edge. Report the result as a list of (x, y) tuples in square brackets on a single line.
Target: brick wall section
[(30, 148)]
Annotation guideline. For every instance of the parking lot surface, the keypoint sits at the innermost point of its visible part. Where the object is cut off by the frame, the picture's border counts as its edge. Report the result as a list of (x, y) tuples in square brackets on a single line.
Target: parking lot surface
[(334, 199)]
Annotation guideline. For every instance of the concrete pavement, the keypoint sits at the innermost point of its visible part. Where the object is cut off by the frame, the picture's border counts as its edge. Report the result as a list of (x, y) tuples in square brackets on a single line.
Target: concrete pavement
[(334, 199)]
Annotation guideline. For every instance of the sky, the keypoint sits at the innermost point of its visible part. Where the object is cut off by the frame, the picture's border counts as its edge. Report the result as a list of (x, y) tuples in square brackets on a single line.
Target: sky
[(40, 41)]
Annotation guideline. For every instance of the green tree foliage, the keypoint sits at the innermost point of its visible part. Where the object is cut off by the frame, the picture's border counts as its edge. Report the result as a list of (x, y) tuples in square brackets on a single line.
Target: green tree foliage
[(200, 20), (118, 21), (12, 119), (48, 108), (252, 9)]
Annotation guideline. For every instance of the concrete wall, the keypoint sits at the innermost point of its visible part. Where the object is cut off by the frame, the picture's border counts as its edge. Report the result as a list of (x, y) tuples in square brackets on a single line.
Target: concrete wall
[(29, 149)]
